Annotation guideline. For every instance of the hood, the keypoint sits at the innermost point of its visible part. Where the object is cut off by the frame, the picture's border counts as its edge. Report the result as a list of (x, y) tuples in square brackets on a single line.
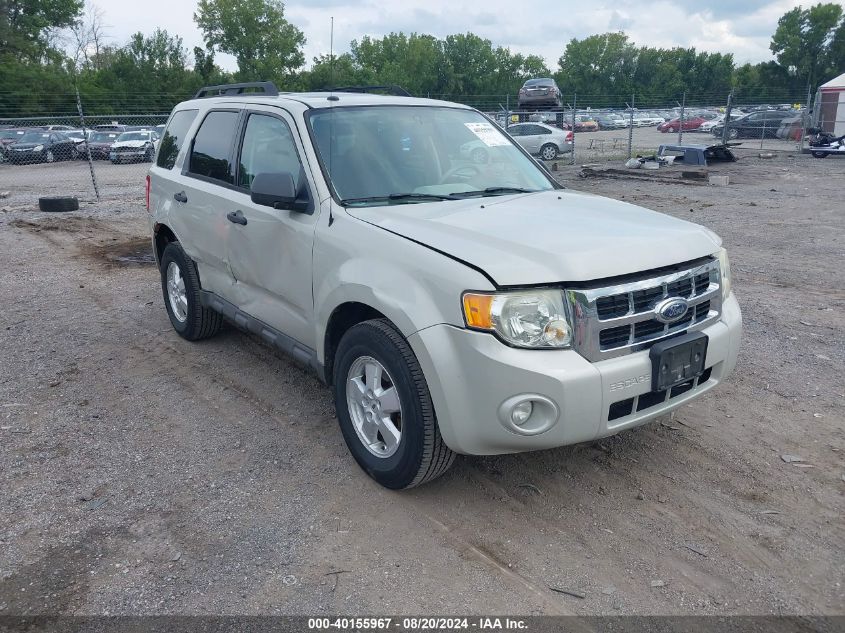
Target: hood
[(547, 237), (134, 144), (28, 145)]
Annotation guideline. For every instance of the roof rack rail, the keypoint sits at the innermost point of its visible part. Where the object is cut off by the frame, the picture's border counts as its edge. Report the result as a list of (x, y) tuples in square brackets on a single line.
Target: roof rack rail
[(262, 88), (396, 91)]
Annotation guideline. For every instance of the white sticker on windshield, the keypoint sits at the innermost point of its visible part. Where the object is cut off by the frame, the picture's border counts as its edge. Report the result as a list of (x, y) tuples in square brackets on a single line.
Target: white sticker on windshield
[(489, 135)]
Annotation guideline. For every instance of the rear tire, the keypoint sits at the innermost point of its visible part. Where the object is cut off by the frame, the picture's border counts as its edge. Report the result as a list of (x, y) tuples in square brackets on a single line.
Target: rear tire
[(374, 359), (180, 285), (549, 151)]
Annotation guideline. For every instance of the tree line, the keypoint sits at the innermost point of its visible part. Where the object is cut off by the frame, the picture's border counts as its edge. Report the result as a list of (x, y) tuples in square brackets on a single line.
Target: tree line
[(51, 48)]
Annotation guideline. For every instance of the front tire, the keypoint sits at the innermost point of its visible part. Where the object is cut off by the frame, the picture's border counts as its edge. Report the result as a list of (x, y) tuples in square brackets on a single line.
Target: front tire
[(819, 154), (180, 285), (384, 408)]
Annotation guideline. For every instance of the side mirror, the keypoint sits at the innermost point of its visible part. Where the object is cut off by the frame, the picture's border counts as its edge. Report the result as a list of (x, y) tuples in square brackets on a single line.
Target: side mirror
[(277, 190)]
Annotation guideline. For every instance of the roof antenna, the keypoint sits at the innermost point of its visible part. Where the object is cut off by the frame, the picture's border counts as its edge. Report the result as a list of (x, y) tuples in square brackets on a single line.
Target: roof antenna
[(331, 53), (331, 96)]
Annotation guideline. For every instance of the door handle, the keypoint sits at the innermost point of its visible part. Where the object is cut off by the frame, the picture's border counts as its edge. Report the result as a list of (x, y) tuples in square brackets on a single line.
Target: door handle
[(237, 217), (180, 197)]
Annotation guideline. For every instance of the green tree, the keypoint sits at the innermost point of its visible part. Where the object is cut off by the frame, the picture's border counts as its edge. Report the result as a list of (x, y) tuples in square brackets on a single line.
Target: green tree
[(25, 25), (803, 41), (265, 45), (34, 77), (149, 74), (601, 66), (837, 51)]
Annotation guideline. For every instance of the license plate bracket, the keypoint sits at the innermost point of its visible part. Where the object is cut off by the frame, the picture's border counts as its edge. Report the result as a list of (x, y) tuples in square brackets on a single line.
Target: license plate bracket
[(677, 360)]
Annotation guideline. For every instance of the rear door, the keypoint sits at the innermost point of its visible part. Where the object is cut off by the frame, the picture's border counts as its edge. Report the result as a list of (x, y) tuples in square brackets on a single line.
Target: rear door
[(532, 137), (197, 196), (269, 250)]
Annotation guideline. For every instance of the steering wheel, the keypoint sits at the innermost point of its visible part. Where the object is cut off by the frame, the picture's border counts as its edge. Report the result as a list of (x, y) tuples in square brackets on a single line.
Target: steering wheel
[(462, 172)]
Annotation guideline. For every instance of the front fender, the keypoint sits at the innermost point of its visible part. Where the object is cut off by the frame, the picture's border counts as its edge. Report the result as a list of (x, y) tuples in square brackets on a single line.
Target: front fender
[(412, 285)]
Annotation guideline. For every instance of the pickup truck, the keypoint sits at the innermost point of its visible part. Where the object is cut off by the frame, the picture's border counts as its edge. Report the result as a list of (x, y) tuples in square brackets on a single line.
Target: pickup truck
[(451, 305)]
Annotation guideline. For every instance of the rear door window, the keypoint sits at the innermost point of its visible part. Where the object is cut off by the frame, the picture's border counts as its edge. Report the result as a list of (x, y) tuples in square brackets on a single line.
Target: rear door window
[(174, 137), (211, 152)]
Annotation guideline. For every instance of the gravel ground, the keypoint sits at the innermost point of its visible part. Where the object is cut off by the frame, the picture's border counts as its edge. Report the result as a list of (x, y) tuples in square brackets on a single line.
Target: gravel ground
[(144, 474)]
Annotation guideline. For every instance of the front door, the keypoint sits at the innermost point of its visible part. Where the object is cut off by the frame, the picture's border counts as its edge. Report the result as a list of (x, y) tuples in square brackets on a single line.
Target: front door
[(269, 250)]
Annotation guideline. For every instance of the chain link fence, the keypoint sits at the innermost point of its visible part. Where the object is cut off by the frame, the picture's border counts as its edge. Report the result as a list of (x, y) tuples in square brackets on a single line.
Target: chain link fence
[(103, 156), (89, 157), (618, 127)]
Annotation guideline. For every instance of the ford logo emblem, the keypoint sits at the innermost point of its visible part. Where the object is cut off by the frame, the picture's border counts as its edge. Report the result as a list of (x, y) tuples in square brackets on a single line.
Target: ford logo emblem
[(671, 310)]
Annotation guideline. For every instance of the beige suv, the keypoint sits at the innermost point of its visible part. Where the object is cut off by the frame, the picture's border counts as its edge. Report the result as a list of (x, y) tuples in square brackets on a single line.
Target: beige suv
[(453, 305)]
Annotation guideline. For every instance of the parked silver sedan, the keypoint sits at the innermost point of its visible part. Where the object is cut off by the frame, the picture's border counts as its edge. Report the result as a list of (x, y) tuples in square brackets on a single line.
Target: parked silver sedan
[(542, 140)]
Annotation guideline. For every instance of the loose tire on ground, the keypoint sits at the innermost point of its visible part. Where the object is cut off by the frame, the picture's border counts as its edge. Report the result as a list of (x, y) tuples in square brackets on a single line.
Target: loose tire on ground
[(422, 455), (58, 204), (197, 322)]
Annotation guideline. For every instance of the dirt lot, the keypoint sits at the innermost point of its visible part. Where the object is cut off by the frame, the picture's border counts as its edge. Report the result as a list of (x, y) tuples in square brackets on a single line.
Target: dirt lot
[(144, 474)]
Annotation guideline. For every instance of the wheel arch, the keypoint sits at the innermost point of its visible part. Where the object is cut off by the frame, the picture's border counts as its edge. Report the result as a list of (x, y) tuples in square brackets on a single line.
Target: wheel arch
[(162, 236), (342, 319)]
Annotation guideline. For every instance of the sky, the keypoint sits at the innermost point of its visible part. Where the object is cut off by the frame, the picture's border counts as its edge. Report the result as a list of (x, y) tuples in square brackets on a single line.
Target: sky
[(541, 27)]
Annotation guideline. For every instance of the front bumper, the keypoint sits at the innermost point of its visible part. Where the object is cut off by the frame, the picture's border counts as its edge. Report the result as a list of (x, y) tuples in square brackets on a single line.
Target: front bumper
[(134, 154), (470, 374)]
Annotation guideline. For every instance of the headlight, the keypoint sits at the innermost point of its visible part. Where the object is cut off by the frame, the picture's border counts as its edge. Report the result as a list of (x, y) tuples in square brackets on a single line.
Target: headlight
[(725, 268), (37, 148), (532, 318)]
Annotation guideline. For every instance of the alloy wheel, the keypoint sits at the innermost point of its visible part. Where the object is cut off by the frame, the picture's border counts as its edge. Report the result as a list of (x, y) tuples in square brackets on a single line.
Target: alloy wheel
[(176, 294), (374, 406)]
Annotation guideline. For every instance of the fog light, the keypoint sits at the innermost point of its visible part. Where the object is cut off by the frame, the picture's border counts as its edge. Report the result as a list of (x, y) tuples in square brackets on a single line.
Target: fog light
[(521, 412)]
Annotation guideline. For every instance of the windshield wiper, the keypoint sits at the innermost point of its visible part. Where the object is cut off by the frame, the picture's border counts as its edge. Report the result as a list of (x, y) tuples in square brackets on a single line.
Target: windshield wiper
[(399, 197), (493, 191)]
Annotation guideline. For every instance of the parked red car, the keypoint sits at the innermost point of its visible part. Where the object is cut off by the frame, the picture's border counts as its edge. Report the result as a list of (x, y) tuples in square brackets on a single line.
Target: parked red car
[(691, 123)]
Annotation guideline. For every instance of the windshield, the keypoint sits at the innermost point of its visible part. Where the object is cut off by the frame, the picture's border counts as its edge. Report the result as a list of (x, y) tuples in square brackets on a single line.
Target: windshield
[(400, 154), (134, 136), (35, 137), (103, 137)]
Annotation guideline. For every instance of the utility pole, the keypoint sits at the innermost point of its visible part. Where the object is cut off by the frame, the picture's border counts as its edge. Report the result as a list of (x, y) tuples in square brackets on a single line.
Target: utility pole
[(727, 117), (683, 111)]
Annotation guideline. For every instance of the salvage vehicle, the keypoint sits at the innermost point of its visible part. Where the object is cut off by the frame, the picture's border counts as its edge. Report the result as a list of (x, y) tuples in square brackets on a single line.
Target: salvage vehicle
[(451, 306), (760, 124), (539, 139), (41, 147), (135, 146), (100, 142), (691, 123), (539, 93)]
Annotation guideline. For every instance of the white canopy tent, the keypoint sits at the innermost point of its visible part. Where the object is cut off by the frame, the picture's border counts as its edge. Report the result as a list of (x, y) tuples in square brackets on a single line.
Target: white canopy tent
[(829, 112)]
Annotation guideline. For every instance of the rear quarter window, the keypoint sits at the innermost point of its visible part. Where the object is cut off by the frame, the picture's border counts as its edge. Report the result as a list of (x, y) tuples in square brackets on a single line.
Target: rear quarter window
[(174, 137)]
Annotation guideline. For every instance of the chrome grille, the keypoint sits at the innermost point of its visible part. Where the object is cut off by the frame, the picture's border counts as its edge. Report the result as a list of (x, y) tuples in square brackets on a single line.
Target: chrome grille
[(620, 319)]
